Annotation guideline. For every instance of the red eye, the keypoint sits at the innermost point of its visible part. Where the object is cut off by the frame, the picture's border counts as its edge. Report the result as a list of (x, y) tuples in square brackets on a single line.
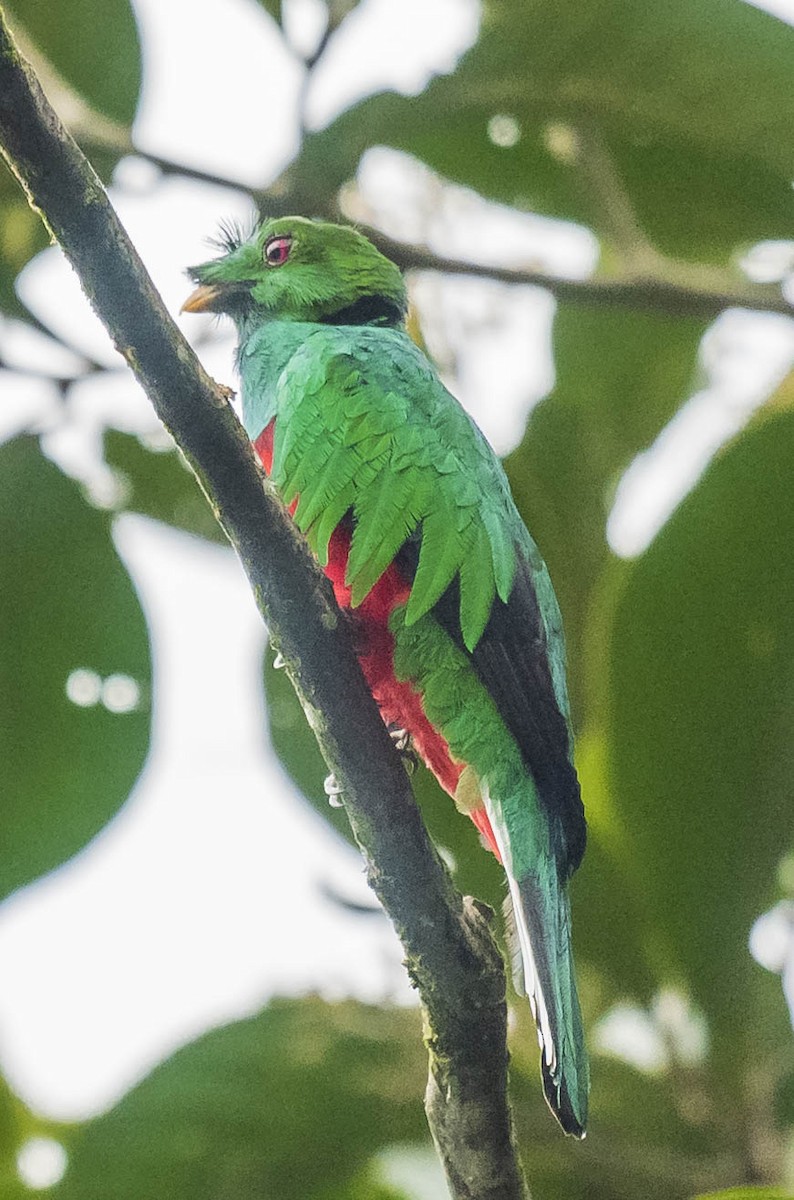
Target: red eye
[(277, 250)]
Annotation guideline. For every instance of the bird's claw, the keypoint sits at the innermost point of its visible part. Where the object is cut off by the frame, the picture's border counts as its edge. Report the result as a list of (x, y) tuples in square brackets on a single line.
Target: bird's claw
[(333, 791), (401, 739)]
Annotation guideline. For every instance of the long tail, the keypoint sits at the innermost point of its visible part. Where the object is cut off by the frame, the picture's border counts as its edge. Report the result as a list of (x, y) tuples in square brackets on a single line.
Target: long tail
[(538, 924)]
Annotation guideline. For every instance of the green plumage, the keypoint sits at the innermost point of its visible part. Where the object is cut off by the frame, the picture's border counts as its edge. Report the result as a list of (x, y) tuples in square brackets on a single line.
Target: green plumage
[(346, 438), (367, 437)]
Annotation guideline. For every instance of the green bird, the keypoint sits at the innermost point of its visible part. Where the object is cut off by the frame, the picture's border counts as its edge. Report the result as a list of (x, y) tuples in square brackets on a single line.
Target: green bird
[(409, 513)]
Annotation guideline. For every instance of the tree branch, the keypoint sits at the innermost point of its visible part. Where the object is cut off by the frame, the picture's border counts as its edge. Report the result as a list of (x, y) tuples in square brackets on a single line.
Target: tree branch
[(658, 284), (450, 954), (647, 280), (682, 290)]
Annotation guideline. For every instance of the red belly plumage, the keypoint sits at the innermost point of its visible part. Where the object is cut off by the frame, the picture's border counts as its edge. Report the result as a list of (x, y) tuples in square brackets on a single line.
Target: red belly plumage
[(399, 703)]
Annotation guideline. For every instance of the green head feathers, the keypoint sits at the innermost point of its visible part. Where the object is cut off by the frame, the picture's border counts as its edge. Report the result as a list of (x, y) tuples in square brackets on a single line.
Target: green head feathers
[(294, 269)]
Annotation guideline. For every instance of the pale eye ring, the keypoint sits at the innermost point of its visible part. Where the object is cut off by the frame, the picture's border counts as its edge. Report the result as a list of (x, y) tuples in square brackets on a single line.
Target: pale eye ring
[(277, 250)]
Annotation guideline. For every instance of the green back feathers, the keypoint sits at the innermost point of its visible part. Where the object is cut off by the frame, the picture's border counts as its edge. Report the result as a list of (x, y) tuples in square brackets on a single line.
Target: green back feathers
[(364, 425)]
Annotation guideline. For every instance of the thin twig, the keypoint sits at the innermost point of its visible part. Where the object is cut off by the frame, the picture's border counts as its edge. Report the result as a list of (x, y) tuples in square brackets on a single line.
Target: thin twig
[(676, 295), (450, 954), (617, 217)]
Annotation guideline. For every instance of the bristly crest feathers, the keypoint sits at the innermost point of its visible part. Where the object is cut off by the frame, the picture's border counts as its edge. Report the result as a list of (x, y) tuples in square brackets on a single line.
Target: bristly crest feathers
[(232, 233), (294, 269)]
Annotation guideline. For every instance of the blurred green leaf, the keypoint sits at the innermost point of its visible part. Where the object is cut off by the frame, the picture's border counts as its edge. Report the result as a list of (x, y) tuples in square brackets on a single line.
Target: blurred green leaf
[(161, 485), (692, 100), (18, 1127), (66, 604), (749, 1193), (620, 378), (700, 711), (10, 1183), (22, 235), (686, 95), (93, 45), (293, 1103), (706, 70), (645, 1138), (273, 7), (88, 55), (784, 1101), (338, 11)]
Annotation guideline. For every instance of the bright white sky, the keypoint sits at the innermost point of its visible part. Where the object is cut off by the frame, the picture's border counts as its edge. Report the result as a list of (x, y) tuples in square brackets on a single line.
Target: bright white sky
[(176, 918)]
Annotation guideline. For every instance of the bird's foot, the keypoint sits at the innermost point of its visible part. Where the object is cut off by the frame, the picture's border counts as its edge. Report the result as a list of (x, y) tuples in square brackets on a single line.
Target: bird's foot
[(279, 661), (401, 740), (333, 791)]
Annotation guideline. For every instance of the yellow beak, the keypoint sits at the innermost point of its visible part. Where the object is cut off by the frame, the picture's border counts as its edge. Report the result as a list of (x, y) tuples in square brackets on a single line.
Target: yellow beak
[(202, 299)]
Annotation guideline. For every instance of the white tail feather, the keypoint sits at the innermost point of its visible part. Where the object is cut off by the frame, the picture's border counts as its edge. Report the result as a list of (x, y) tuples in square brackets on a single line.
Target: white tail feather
[(532, 986)]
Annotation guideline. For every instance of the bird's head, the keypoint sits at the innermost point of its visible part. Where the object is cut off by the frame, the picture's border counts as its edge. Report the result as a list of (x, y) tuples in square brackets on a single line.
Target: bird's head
[(294, 269)]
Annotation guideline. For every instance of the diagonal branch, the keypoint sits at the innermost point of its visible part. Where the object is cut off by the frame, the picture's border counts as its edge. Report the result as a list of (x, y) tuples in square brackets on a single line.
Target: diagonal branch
[(450, 954)]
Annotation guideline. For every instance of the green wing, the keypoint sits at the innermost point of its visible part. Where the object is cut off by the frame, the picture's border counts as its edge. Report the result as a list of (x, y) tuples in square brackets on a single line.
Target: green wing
[(364, 425)]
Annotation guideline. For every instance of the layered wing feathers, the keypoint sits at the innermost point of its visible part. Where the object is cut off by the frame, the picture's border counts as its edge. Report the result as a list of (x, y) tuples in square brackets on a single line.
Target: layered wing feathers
[(375, 432)]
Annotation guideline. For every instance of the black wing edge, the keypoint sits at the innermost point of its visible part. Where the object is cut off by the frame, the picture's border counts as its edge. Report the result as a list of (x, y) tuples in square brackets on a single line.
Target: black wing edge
[(511, 661)]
